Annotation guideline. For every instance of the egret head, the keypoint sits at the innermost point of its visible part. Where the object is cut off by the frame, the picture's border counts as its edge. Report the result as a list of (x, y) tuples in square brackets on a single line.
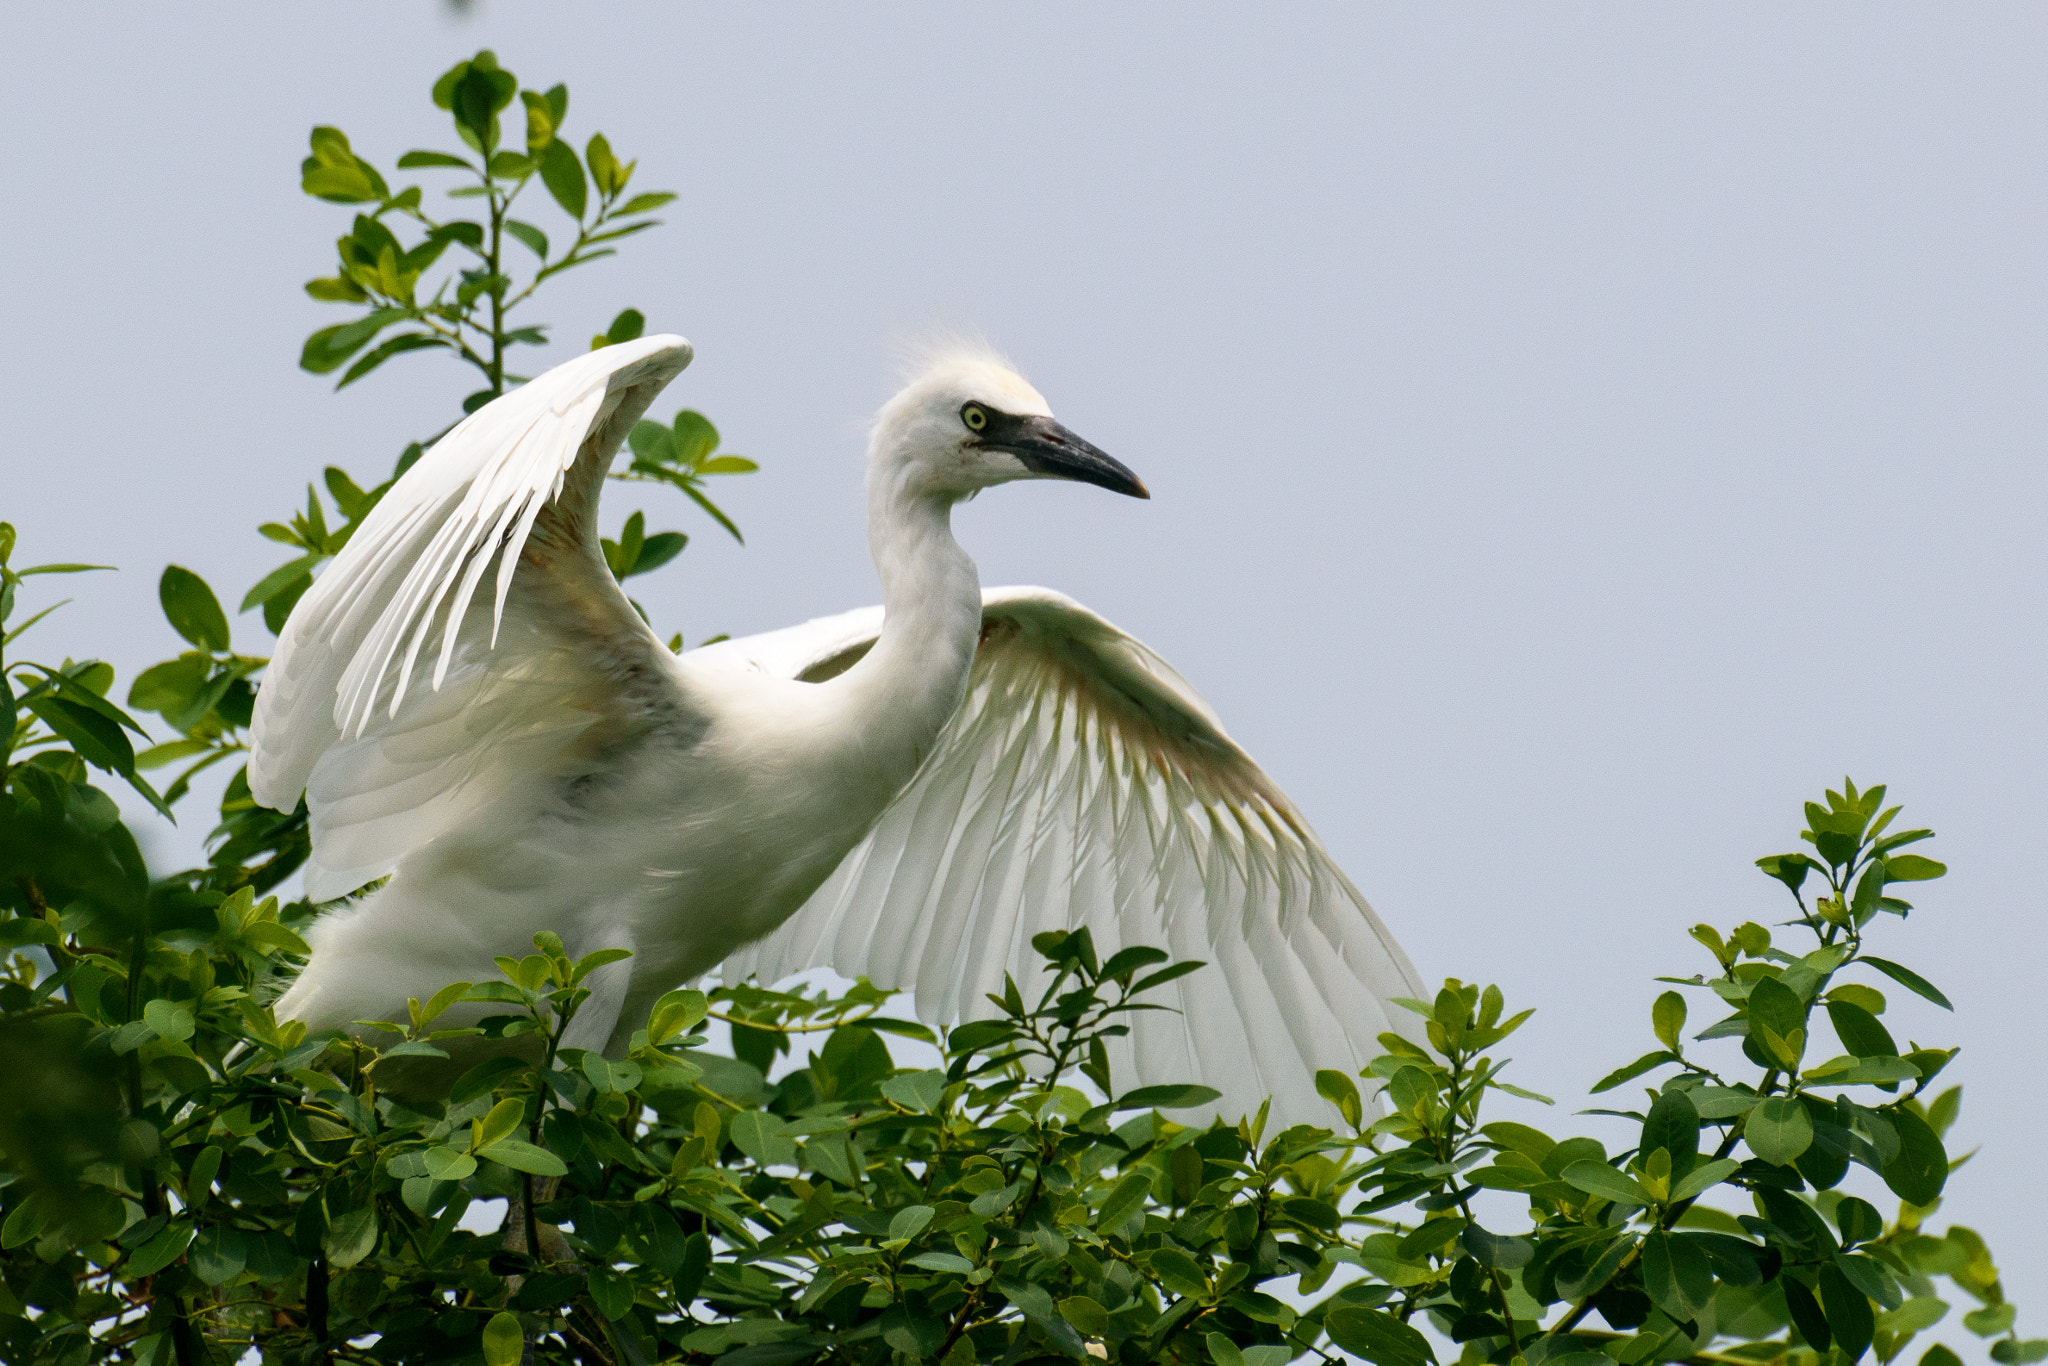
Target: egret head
[(968, 421)]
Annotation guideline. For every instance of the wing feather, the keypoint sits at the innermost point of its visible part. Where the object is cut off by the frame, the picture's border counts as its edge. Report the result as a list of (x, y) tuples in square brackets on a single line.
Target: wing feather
[(1083, 782), (390, 752)]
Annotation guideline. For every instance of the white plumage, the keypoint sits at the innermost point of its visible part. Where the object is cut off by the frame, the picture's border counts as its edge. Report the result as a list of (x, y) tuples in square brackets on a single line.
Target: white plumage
[(909, 792)]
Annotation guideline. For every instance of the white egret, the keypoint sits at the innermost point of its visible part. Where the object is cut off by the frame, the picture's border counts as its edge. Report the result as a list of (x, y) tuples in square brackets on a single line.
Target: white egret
[(908, 792)]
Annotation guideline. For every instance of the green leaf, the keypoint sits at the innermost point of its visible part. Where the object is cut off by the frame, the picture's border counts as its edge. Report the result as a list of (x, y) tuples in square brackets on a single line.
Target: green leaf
[(1673, 1126), (610, 1292), (1778, 1130), (217, 1254), (1991, 1320), (446, 1163), (535, 240), (280, 579), (1860, 1031), (1181, 1097), (192, 609), (169, 1019), (1776, 1007), (1850, 1320), (160, 1251), (413, 161), (1338, 1088), (694, 437), (656, 551), (1496, 1250), (763, 1138), (385, 350), (1635, 1069), (1378, 1337), (1908, 979), (504, 1341), (604, 167), (1677, 1275), (351, 1236), (1920, 1169), (563, 175), (941, 1261), (643, 203), (1912, 868), (1703, 1178), (917, 1091), (97, 740), (1597, 1178), (1432, 1235), (524, 1157), (629, 324), (1667, 1019), (501, 1123), (1128, 1196), (326, 349), (1790, 869), (908, 1222)]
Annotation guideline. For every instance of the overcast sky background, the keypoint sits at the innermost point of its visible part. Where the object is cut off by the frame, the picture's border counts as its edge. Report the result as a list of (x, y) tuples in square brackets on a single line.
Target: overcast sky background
[(1578, 433)]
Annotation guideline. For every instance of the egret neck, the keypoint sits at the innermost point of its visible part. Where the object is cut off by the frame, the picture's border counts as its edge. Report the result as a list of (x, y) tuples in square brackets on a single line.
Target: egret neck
[(902, 693)]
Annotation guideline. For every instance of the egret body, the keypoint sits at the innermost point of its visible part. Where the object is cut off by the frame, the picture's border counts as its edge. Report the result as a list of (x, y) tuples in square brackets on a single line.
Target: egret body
[(908, 793)]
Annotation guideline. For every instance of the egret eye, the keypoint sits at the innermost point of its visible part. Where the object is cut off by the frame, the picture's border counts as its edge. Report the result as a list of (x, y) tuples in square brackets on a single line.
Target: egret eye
[(974, 417)]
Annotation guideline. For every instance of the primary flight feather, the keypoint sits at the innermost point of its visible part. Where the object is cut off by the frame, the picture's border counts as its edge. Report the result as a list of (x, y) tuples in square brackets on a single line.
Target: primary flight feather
[(472, 707)]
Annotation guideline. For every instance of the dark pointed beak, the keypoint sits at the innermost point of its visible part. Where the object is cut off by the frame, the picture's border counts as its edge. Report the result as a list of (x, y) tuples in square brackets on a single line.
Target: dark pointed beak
[(1047, 448)]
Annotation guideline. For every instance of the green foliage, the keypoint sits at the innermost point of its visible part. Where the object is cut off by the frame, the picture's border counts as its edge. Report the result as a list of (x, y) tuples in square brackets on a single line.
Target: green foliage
[(184, 1177)]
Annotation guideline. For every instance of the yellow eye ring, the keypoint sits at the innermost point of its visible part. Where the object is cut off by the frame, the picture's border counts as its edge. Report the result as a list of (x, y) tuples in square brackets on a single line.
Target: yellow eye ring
[(974, 417)]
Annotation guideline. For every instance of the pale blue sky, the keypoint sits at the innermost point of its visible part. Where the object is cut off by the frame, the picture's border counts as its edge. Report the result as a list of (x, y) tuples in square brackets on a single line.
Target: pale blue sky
[(1578, 432)]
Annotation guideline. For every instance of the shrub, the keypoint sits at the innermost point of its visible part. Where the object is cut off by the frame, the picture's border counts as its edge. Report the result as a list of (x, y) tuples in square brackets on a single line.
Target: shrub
[(186, 1178)]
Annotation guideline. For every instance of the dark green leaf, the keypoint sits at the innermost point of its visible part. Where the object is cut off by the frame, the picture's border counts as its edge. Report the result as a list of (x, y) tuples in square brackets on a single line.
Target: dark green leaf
[(1495, 1250), (1806, 1314), (1860, 1032), (160, 1251), (1184, 1097), (385, 350), (280, 579), (1850, 1321), (1378, 1337), (1920, 1170), (192, 609), (326, 349), (1676, 1274)]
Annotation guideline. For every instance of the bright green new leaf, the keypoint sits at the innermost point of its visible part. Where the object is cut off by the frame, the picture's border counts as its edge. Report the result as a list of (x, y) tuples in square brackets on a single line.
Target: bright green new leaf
[(524, 1157), (504, 1341), (502, 1122), (1667, 1019)]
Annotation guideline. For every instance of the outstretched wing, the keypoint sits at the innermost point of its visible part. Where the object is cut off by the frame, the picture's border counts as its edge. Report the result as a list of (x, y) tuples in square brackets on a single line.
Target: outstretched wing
[(1083, 782), (401, 694)]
